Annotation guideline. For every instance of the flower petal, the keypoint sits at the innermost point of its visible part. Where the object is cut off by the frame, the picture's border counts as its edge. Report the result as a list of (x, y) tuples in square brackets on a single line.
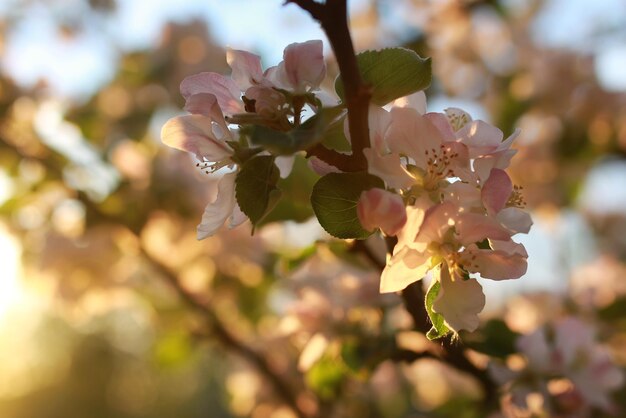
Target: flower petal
[(459, 301), (404, 268), (442, 123), (389, 168), (480, 137), (415, 100), (501, 263), (413, 135), (246, 68), (536, 349), (437, 221), (216, 212), (303, 67), (194, 134), (206, 104), (227, 92), (515, 219), (496, 191), (473, 227)]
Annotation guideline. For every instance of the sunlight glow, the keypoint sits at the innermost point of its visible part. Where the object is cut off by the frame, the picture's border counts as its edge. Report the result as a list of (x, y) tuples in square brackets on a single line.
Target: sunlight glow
[(11, 291)]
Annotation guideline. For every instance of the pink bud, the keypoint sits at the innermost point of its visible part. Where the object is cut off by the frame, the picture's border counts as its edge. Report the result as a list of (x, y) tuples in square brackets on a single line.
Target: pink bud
[(378, 208)]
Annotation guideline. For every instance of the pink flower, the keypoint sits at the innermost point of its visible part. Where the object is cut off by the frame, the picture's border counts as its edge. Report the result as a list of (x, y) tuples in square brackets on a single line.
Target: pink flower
[(203, 134), (443, 236), (301, 71), (572, 352)]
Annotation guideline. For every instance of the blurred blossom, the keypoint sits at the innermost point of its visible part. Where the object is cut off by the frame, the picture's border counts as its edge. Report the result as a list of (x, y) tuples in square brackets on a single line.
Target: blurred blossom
[(564, 348), (444, 383), (599, 283)]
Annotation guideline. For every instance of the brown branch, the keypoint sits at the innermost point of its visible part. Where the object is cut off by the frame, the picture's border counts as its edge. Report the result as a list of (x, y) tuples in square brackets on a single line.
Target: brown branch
[(452, 352), (226, 338), (282, 388), (333, 17), (332, 157)]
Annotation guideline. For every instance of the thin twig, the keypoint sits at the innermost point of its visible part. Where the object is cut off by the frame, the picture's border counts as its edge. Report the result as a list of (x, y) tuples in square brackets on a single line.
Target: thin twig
[(333, 17), (219, 331)]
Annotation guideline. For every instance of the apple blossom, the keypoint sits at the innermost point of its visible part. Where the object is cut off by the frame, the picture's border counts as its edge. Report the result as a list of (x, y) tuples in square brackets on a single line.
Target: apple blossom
[(250, 90), (565, 349)]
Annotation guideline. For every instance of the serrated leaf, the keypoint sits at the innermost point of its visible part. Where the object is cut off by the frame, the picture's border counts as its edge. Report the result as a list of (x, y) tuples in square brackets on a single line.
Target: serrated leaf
[(334, 201), (255, 187), (299, 139), (439, 328), (392, 73)]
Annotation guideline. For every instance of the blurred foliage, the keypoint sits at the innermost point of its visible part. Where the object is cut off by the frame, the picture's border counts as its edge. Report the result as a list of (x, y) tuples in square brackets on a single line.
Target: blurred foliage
[(105, 218)]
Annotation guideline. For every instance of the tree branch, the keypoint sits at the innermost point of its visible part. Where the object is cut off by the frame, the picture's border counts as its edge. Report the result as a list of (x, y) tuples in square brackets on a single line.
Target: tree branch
[(333, 17), (283, 389)]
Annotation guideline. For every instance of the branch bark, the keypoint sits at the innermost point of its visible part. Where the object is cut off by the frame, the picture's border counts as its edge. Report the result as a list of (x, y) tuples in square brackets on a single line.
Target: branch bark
[(333, 17), (218, 330)]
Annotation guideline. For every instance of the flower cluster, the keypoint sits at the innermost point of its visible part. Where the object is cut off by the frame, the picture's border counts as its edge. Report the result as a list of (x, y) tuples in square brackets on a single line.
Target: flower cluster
[(563, 365), (448, 200), (446, 195), (274, 98)]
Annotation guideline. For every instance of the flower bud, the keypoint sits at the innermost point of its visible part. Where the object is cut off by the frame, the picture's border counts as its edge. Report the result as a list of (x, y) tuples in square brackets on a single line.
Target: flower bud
[(378, 208)]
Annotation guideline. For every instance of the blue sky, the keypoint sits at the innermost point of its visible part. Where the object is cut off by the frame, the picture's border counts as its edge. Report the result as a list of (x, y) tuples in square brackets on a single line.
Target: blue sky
[(77, 66)]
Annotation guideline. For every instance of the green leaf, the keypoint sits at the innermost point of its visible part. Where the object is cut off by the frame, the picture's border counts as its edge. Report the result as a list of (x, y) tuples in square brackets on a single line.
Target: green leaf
[(325, 377), (495, 339), (334, 201), (295, 201), (255, 187), (439, 328), (301, 138), (392, 73), (335, 138)]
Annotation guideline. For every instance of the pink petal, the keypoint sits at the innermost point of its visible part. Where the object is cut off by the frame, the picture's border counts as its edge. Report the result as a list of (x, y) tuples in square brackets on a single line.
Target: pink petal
[(496, 264), (227, 93), (515, 219), (404, 268), (246, 68), (464, 195), (216, 212), (304, 65), (237, 218), (536, 349), (389, 168), (413, 135), (321, 167), (480, 137), (473, 227), (437, 221), (459, 301), (194, 134), (496, 191), (206, 104), (378, 208), (415, 218), (443, 125)]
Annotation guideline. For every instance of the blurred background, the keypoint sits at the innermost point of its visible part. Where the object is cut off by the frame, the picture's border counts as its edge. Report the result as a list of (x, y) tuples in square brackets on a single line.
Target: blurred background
[(109, 307)]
